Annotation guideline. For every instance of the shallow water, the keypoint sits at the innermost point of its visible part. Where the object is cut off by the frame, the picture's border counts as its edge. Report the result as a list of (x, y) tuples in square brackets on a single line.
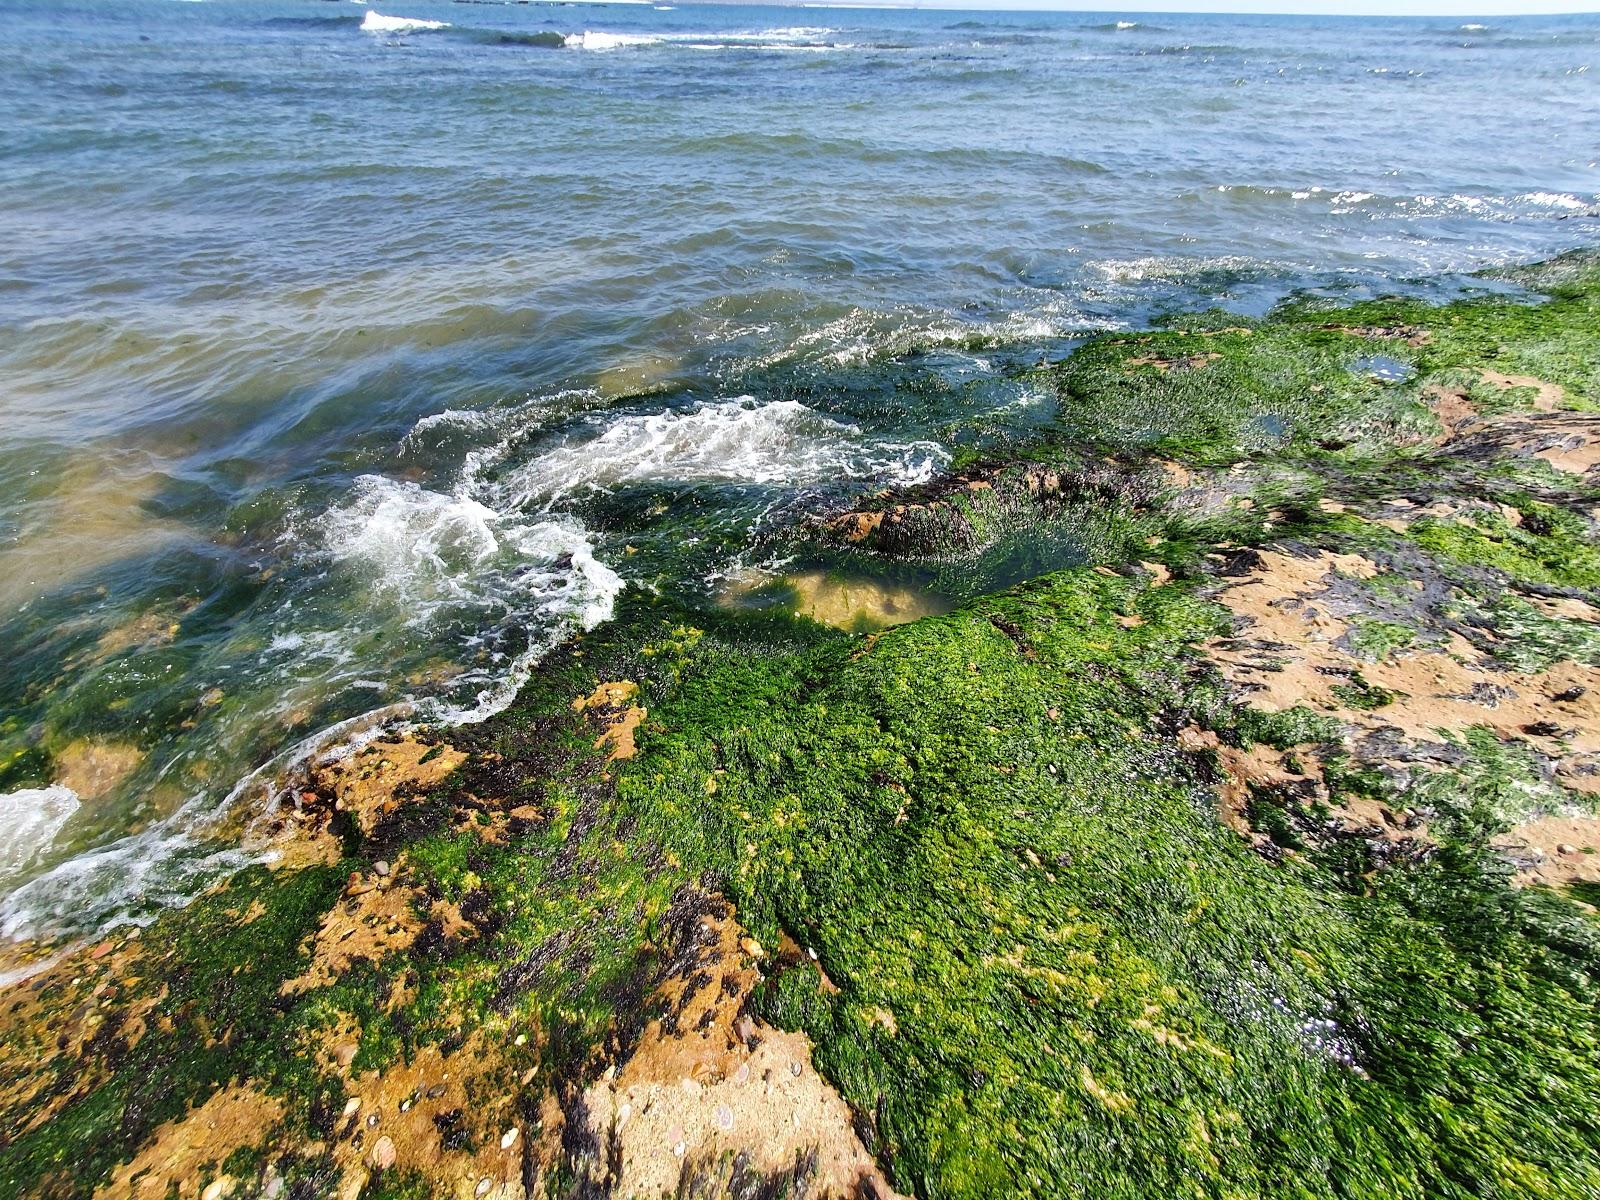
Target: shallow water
[(348, 362)]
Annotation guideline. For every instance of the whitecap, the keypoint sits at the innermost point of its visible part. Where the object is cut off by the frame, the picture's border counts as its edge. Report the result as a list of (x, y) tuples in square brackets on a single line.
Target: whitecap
[(376, 22), (737, 441), (420, 545), (593, 40), (425, 550), (1554, 200), (32, 817)]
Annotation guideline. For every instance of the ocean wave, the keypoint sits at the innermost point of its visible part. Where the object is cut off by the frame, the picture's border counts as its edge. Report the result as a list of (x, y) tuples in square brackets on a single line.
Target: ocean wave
[(423, 547), (737, 441), (1180, 269), (484, 591), (426, 551), (376, 22), (790, 37), (1343, 201), (546, 39), (32, 818), (864, 336), (592, 40), (343, 21)]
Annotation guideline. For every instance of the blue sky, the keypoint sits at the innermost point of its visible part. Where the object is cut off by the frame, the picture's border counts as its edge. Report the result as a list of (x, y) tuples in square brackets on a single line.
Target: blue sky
[(1387, 8)]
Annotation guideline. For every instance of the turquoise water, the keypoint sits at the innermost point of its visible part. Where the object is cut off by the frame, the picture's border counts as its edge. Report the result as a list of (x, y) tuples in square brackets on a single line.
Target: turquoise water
[(347, 363)]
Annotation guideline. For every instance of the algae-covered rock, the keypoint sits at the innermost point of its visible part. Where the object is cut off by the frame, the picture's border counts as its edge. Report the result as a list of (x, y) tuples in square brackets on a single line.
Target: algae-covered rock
[(1234, 835)]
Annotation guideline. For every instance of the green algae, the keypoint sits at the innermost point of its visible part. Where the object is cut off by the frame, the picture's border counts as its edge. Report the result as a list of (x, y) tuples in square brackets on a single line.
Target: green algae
[(1056, 925), (217, 984), (1378, 639), (1550, 545)]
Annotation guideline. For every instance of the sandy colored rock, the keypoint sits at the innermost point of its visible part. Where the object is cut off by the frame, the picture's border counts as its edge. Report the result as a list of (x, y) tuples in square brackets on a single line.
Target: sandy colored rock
[(1567, 440), (1283, 654), (176, 1154), (1547, 396), (93, 767), (710, 1084), (54, 1005), (438, 1114), (368, 923), (609, 706), (1554, 850)]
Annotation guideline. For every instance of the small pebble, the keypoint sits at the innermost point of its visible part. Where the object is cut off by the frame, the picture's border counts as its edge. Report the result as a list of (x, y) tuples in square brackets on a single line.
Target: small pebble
[(508, 1139), (483, 1187), (273, 1187), (372, 1121), (436, 1091), (218, 1188), (1564, 848), (795, 1069), (352, 1106), (383, 1153), (380, 867), (521, 1040), (724, 1117)]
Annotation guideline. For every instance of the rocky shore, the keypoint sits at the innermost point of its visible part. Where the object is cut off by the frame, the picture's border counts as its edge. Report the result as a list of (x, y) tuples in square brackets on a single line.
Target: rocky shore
[(1234, 834)]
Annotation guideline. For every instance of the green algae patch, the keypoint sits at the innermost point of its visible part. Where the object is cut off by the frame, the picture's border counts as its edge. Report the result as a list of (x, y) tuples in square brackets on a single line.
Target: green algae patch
[(207, 1014), (1546, 545), (977, 826)]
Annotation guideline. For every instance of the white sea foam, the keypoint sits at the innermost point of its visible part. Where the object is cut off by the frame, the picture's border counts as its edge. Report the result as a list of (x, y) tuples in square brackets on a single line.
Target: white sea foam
[(466, 418), (376, 22), (738, 441), (788, 37), (422, 546), (426, 550), (32, 817), (1554, 200), (1127, 24), (593, 40)]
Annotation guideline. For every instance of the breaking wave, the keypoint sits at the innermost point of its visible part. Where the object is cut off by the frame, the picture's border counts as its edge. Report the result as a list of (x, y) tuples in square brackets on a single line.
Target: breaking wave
[(376, 22), (738, 441)]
